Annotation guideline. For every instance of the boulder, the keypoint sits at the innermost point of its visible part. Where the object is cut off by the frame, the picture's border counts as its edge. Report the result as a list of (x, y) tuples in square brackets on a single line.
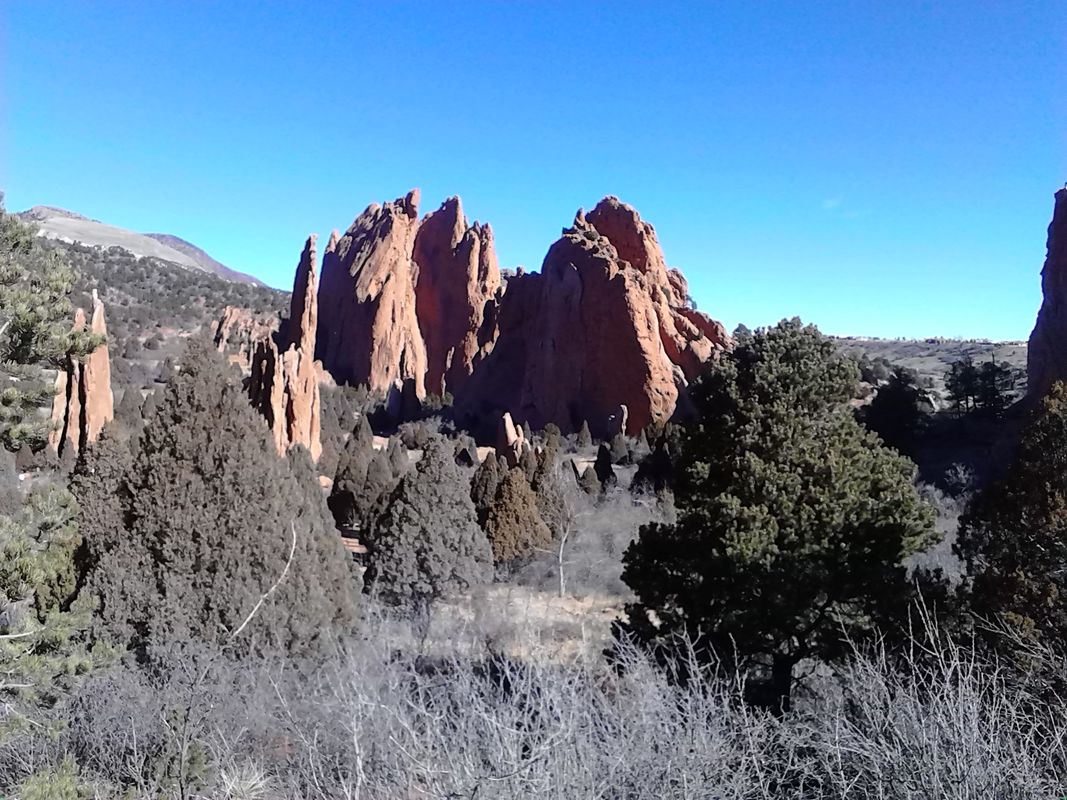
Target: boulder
[(1047, 352)]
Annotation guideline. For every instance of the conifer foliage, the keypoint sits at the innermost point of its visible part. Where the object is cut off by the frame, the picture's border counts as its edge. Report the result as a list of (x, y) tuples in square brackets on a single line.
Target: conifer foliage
[(1014, 535), (206, 520), (514, 525), (427, 542), (792, 520)]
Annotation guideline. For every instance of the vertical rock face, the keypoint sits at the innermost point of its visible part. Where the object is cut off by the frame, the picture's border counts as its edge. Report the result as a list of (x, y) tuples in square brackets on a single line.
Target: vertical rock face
[(368, 328), (1047, 353), (83, 403), (284, 386), (409, 308), (237, 333), (594, 331), (458, 277)]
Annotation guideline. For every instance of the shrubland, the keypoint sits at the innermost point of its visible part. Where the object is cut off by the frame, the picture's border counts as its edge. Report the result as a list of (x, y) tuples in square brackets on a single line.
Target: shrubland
[(762, 602)]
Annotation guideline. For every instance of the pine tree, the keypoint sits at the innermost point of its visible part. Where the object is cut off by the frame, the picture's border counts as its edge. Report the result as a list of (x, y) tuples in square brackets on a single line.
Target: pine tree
[(398, 457), (426, 542), (35, 330), (214, 519), (528, 463), (605, 474), (513, 525), (1013, 537), (589, 483), (793, 521), (585, 439), (42, 621), (483, 486), (549, 493)]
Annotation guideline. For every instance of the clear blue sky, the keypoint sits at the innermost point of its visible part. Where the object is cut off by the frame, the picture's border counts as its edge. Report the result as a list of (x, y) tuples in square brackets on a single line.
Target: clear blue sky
[(876, 168)]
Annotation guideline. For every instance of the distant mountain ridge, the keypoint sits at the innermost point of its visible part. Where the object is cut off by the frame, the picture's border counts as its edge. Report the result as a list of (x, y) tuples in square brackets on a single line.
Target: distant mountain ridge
[(68, 226)]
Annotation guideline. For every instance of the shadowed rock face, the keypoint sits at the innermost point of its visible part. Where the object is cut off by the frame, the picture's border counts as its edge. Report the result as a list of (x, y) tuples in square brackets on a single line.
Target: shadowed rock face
[(83, 403), (458, 276), (593, 332), (368, 328), (1047, 352)]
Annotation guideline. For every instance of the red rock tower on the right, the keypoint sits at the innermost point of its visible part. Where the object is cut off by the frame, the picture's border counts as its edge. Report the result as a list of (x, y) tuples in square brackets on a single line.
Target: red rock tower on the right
[(1046, 360)]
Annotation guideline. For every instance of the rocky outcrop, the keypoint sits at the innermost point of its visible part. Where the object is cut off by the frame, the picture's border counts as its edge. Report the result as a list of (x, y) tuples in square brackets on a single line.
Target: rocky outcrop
[(605, 333), (1047, 353), (83, 402), (510, 441), (238, 331), (368, 328), (284, 384), (593, 332), (458, 278)]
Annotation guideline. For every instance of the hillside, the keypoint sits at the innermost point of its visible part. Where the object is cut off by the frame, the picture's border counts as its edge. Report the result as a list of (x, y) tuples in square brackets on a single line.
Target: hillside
[(67, 226)]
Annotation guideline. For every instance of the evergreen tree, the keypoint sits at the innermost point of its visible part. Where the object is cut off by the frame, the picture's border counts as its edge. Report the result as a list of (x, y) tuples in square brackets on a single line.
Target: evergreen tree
[(350, 481), (894, 414), (483, 486), (549, 493), (1013, 537), (961, 385), (994, 389), (426, 542), (793, 521), (585, 439), (605, 474), (528, 463), (513, 525), (35, 330), (588, 482), (42, 621), (214, 523), (398, 457)]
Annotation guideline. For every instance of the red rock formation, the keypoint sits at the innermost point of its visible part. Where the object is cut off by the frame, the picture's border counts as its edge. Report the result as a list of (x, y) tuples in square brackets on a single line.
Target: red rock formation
[(458, 277), (368, 328), (1046, 360), (284, 387), (238, 331), (83, 403), (510, 441), (593, 332)]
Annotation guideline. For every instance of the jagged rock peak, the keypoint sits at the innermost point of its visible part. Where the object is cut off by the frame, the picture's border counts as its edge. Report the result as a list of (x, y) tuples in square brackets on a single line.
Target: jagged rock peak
[(83, 403), (303, 305), (1047, 351), (458, 276), (368, 331), (284, 385), (604, 325)]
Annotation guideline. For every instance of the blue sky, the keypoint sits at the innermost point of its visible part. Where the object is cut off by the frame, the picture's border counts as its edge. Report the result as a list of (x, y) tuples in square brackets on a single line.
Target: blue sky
[(876, 168)]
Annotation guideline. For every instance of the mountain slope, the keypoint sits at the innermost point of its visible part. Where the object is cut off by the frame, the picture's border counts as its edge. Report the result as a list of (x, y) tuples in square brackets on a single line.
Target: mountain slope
[(66, 226)]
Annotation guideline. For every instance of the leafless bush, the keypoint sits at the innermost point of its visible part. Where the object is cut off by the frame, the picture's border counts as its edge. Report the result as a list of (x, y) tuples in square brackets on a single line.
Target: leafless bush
[(599, 531), (384, 717), (941, 556)]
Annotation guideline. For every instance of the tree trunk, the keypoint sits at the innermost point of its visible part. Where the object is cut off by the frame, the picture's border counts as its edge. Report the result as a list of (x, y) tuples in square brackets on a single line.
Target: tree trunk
[(782, 684)]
